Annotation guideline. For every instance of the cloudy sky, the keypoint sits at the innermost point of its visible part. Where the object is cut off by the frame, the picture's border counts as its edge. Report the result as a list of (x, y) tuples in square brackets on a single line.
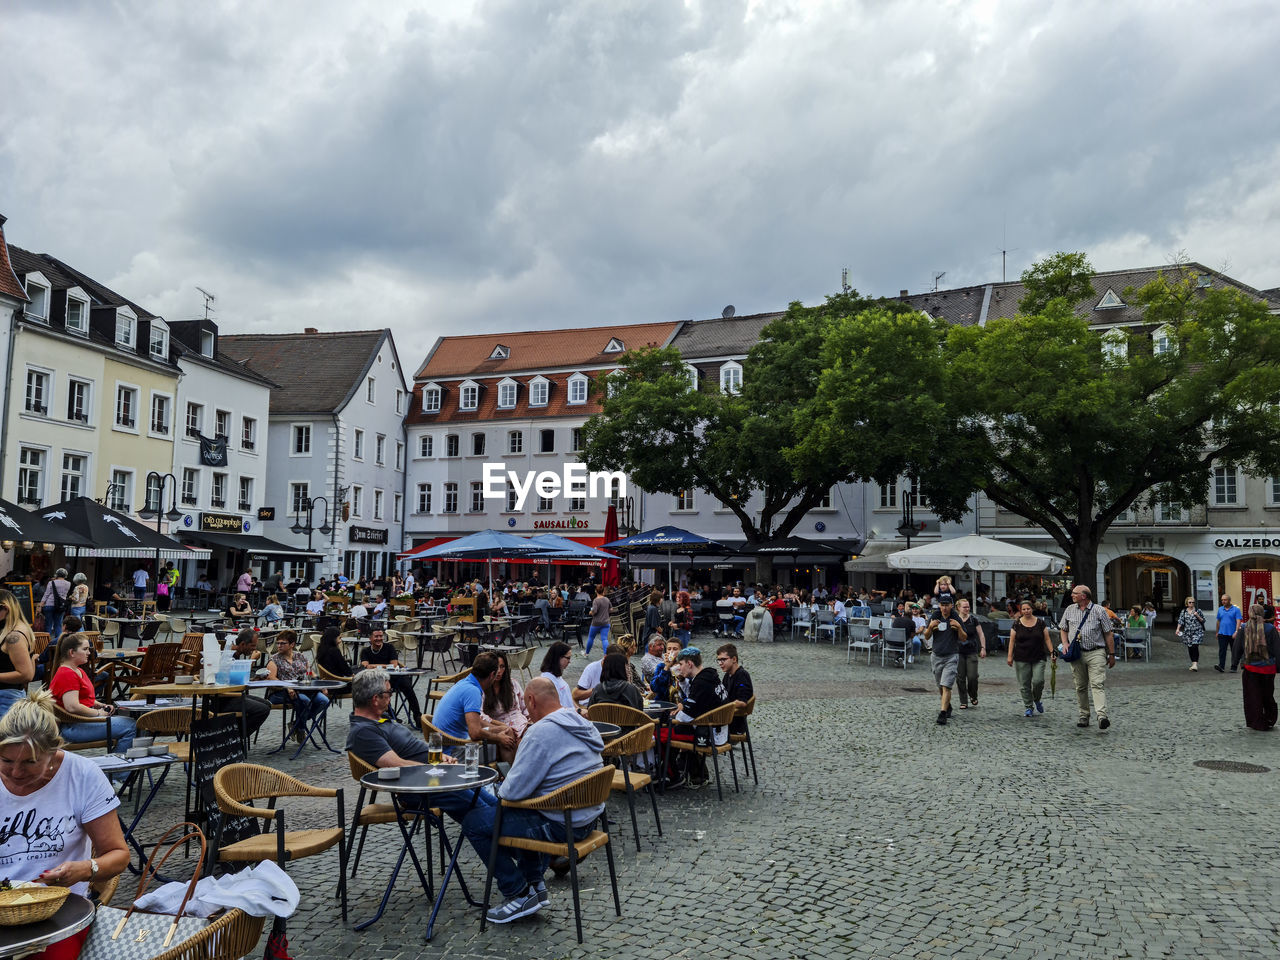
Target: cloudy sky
[(449, 167)]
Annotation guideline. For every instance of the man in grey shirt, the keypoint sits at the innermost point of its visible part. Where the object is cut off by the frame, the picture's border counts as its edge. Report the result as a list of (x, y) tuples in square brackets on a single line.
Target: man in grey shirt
[(1091, 624), (945, 631)]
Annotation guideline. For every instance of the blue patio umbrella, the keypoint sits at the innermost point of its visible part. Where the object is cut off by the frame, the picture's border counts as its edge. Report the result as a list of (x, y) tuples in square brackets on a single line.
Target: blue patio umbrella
[(666, 540), (566, 549), (486, 545)]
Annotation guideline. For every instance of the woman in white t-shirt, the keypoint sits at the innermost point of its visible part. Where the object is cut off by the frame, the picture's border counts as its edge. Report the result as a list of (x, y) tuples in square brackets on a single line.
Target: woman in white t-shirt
[(59, 810), (557, 658)]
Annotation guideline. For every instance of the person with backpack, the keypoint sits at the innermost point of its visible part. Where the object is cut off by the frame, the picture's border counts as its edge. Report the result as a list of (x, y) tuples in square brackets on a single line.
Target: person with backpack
[(55, 602)]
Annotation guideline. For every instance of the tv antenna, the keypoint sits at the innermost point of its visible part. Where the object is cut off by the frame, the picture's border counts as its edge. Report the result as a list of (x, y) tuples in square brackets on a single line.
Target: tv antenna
[(209, 300), (727, 312), (938, 275), (844, 280), (1005, 251)]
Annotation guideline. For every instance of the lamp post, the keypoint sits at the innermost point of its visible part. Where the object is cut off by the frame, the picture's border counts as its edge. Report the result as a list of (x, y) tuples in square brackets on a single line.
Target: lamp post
[(309, 505), (157, 511), (907, 528)]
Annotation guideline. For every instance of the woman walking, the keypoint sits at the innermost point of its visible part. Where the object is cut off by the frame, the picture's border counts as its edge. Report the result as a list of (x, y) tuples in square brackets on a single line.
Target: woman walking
[(1029, 646), (1191, 630), (973, 646), (1259, 662), (600, 612)]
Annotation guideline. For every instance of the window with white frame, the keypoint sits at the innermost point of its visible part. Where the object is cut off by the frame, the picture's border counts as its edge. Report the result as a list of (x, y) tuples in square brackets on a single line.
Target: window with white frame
[(299, 497), (1115, 346), (546, 441), (37, 392), (684, 499), (888, 495), (195, 419), (31, 461), (357, 501), (190, 486), (121, 496), (380, 449), (575, 440), (159, 341), (160, 414), (477, 444), (577, 389), (468, 396), (74, 481), (78, 394), (506, 394), (222, 423), (545, 505), (1162, 341), (450, 498), (692, 373), (126, 328), (151, 498), (38, 294), (538, 392), (399, 455), (399, 401), (425, 445), (731, 377), (370, 394), (1170, 511), (825, 502), (246, 493), (206, 343), (915, 497), (515, 441), (577, 504), (424, 498), (1226, 487), (218, 491), (512, 498), (377, 504), (126, 407), (301, 439), (248, 433), (615, 493), (431, 400), (451, 445), (77, 315), (1273, 491), (397, 508), (477, 497)]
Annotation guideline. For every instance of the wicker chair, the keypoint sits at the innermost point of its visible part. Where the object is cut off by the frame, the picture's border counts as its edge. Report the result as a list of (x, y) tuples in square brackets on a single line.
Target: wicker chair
[(625, 780), (233, 935), (373, 812), (589, 791), (428, 728), (334, 695), (744, 737), (237, 783), (64, 718), (719, 717), (168, 722)]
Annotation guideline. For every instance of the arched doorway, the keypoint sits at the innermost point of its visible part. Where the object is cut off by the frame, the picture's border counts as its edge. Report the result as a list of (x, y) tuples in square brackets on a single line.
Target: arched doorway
[(1249, 577), (1137, 577)]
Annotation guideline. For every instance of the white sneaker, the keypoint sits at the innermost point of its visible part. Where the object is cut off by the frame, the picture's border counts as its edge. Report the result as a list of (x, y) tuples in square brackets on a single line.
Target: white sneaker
[(521, 905), (911, 659), (1195, 666)]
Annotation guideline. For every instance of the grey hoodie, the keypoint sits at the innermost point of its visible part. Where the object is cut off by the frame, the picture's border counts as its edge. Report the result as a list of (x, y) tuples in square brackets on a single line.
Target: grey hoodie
[(561, 747)]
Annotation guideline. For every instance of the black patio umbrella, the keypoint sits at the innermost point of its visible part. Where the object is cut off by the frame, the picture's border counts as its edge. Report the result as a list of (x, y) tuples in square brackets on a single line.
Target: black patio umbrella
[(111, 534), (795, 546), (18, 524)]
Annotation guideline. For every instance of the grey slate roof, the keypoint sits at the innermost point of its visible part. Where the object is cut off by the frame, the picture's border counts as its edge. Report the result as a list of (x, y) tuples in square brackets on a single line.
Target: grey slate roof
[(63, 276), (719, 337), (314, 372), (961, 307)]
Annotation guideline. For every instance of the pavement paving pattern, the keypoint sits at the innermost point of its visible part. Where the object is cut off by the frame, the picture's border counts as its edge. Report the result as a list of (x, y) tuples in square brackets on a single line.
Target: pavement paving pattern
[(874, 832)]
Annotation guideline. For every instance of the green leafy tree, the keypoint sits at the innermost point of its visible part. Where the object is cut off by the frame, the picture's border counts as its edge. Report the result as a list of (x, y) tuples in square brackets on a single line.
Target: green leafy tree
[(1063, 276), (1069, 428)]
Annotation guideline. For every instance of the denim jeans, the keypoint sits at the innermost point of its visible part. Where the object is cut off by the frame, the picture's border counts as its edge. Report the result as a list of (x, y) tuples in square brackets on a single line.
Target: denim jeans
[(306, 707), (514, 869), (8, 698), (52, 624), (122, 732), (602, 633), (684, 636)]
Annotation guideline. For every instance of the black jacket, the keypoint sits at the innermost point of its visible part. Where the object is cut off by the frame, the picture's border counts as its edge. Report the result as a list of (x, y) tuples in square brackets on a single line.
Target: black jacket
[(706, 692)]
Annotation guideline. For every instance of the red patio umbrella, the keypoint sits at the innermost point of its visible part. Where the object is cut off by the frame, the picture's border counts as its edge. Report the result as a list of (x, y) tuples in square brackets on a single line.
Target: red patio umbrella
[(609, 577)]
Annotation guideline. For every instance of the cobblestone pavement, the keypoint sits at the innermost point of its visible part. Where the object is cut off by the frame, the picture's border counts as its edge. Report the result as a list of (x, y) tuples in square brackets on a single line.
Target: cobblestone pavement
[(874, 832)]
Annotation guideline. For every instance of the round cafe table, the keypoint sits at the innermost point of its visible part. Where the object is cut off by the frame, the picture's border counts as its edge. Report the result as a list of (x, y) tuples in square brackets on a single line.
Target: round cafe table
[(661, 711), (608, 731), (74, 915)]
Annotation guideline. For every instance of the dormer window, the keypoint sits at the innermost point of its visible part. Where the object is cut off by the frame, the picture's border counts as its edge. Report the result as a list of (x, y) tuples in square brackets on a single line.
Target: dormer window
[(507, 390), (578, 388), (468, 395), (731, 377), (692, 373), (1109, 301), (431, 398), (77, 320), (538, 390), (1162, 341), (614, 346), (500, 353), (206, 344), (159, 340), (38, 292), (126, 328)]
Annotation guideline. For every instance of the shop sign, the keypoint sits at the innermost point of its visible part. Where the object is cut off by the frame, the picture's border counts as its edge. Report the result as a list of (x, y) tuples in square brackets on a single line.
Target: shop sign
[(366, 535), (1248, 543), (266, 514), (221, 523), (1147, 542), (569, 523)]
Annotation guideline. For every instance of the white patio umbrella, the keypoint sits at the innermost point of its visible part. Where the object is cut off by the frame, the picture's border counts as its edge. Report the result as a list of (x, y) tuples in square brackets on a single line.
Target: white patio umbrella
[(974, 553)]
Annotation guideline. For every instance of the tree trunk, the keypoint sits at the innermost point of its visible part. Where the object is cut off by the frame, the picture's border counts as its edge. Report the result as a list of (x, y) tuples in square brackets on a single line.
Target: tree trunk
[(1084, 565), (764, 570)]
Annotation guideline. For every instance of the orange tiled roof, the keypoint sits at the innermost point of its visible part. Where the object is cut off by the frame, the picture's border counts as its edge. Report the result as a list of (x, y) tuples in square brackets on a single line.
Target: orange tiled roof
[(534, 350), (9, 284), (487, 407)]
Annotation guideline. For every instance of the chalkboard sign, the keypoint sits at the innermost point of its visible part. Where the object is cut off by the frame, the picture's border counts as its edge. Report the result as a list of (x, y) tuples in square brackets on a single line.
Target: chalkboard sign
[(215, 742), (22, 590)]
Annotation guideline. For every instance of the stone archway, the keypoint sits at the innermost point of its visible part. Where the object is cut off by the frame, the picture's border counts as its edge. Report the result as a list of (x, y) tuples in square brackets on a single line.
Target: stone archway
[(1135, 577)]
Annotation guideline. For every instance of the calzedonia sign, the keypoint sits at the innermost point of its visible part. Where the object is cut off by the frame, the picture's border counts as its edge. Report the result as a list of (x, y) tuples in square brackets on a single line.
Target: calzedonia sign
[(366, 535), (571, 523), (1248, 543)]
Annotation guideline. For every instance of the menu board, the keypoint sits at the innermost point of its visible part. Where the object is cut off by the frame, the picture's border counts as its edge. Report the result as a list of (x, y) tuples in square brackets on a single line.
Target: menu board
[(215, 742), (22, 590)]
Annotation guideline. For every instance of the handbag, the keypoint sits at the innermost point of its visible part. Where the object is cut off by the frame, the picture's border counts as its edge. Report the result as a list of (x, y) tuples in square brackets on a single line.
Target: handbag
[(133, 935), (1073, 651)]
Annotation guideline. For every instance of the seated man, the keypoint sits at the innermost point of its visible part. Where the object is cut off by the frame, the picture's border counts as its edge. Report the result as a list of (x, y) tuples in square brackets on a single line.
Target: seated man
[(558, 747), (379, 653), (737, 682), (739, 611), (705, 692), (459, 711)]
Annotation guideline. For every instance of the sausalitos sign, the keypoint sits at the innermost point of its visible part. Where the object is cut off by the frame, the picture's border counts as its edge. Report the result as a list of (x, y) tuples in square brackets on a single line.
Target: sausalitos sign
[(570, 523)]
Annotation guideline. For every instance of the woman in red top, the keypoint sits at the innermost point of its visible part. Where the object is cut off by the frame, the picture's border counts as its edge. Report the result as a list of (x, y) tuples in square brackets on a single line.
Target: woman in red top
[(72, 690)]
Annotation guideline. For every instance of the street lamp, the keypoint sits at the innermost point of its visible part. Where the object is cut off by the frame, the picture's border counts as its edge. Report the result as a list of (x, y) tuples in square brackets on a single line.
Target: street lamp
[(309, 505), (157, 511), (907, 528)]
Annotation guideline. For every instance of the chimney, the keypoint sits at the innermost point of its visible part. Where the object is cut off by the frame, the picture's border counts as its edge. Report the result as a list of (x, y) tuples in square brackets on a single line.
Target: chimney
[(310, 330), (902, 295)]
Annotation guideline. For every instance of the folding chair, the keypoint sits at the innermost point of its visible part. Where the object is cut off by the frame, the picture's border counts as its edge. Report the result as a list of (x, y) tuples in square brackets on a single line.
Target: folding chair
[(860, 639), (895, 641)]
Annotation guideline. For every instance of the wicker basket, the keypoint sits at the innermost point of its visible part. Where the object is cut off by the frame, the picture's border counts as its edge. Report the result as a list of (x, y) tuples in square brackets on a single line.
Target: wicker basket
[(45, 902)]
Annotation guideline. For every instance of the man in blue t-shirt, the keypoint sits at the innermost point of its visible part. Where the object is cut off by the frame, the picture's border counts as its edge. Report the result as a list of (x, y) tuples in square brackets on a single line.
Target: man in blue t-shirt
[(1229, 617), (460, 712)]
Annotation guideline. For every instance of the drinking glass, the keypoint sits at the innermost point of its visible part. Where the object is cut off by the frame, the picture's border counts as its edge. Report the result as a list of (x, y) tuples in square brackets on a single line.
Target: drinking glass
[(435, 753), (471, 757)]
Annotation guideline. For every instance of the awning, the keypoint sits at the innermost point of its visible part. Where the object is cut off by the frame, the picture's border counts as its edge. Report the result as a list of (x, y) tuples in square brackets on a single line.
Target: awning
[(113, 534), (871, 558), (255, 545)]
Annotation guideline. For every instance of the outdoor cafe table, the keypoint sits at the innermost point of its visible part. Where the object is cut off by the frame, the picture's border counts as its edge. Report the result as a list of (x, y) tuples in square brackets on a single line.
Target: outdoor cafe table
[(116, 763), (315, 725), (608, 731), (425, 781), (661, 711), (106, 663), (198, 692), (74, 915)]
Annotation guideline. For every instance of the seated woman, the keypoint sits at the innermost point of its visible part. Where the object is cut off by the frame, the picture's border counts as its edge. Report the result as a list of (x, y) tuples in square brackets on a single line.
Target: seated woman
[(614, 685), (290, 664), (63, 830), (504, 701), (329, 654), (627, 647), (240, 607), (553, 663), (499, 607), (72, 690), (272, 612)]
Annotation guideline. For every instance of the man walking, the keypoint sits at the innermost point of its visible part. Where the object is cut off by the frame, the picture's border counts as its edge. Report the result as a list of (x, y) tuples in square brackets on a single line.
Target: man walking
[(1229, 617), (944, 631), (1087, 622)]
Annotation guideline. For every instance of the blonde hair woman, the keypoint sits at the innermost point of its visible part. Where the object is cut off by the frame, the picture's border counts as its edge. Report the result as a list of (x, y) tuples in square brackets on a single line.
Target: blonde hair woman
[(17, 665)]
